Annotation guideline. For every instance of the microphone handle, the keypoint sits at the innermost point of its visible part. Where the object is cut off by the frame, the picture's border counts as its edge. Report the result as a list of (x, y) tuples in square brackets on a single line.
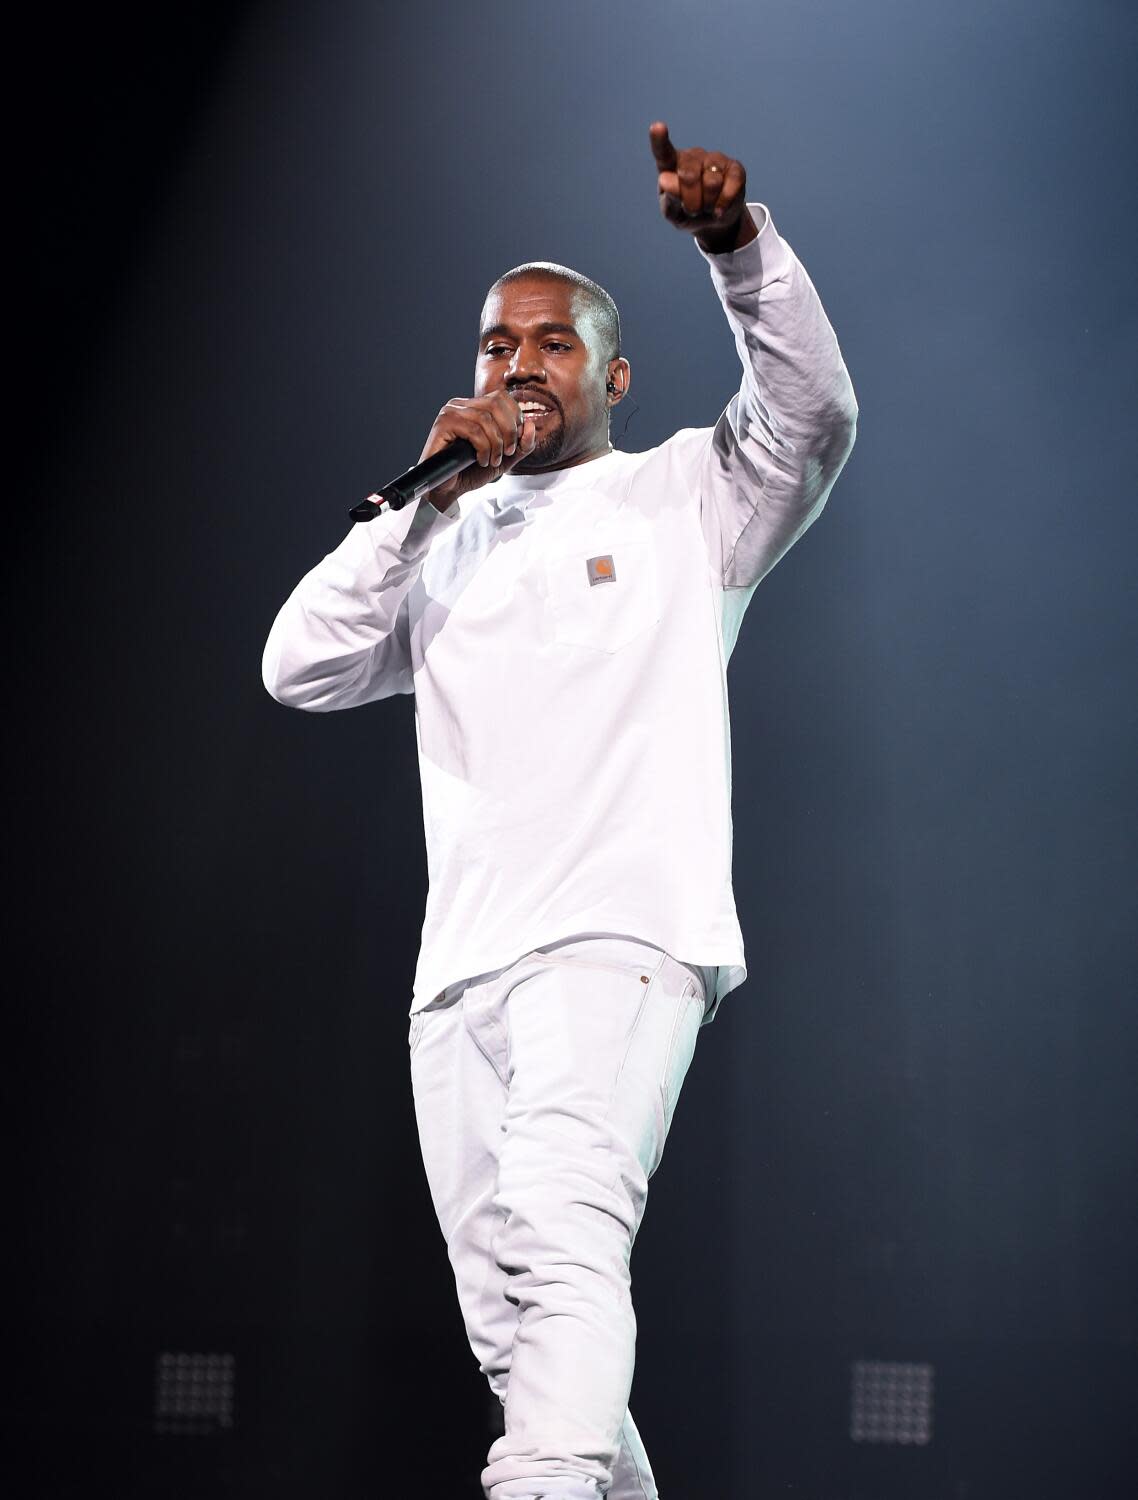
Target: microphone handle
[(428, 475)]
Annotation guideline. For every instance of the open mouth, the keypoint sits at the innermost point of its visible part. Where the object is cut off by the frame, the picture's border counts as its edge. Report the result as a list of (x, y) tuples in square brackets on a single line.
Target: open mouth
[(540, 411)]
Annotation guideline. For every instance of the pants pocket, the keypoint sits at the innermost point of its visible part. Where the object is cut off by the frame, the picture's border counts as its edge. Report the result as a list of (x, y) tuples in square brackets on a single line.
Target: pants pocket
[(642, 964), (681, 1049)]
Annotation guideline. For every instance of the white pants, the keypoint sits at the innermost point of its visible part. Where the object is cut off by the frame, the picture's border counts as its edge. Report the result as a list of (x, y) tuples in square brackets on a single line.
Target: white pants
[(543, 1094)]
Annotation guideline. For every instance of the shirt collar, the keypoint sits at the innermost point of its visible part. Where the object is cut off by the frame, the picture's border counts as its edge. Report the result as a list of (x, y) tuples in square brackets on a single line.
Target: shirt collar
[(514, 489)]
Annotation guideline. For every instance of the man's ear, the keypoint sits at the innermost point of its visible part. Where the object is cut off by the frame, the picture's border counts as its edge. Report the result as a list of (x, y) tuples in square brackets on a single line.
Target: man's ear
[(618, 379)]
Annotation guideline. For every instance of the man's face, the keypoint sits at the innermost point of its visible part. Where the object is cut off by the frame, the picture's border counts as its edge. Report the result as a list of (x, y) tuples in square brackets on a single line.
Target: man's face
[(537, 341)]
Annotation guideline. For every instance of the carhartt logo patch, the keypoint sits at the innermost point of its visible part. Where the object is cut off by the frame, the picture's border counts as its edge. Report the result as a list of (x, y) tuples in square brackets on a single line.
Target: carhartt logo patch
[(601, 569)]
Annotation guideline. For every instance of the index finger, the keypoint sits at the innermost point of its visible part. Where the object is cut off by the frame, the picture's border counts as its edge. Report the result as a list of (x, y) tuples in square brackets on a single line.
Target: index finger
[(511, 411), (662, 148)]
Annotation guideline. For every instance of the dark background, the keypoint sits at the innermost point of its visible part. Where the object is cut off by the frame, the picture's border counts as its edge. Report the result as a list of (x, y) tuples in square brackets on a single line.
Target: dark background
[(251, 245)]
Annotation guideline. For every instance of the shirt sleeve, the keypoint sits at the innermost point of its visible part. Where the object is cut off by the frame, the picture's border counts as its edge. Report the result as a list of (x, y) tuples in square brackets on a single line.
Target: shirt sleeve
[(342, 637), (777, 449)]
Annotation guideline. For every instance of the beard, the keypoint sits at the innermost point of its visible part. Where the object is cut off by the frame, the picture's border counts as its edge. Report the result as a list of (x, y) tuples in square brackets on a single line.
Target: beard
[(547, 450)]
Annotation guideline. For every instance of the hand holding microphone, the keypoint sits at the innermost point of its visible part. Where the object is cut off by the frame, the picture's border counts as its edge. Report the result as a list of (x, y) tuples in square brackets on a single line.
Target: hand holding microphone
[(499, 435), (495, 427)]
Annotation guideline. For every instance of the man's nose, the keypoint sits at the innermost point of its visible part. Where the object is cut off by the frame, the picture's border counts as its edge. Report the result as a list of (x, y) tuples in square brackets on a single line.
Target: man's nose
[(526, 364)]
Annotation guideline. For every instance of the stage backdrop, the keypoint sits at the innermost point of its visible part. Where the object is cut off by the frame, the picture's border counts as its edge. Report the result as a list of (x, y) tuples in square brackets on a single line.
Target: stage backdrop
[(253, 246)]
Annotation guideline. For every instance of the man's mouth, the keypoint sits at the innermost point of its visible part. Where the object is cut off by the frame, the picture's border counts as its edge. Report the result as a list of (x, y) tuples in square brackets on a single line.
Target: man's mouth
[(540, 410)]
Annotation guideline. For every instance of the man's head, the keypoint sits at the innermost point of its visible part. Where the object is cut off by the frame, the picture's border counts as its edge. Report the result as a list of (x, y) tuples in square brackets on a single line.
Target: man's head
[(550, 335)]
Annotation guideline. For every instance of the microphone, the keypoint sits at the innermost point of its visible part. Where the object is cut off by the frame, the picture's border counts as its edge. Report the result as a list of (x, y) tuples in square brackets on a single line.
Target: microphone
[(428, 475)]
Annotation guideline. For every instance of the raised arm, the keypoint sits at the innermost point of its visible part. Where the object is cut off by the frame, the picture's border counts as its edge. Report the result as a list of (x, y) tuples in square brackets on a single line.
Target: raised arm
[(777, 449)]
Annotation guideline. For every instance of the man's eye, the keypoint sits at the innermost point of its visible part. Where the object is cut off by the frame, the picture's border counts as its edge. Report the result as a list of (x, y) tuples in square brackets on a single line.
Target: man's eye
[(493, 350)]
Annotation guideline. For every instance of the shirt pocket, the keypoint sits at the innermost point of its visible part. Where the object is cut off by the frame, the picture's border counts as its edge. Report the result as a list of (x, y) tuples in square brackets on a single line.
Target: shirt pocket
[(607, 615)]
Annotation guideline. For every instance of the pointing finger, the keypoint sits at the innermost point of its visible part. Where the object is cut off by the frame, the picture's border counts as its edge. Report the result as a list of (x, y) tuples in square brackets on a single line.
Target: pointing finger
[(662, 148)]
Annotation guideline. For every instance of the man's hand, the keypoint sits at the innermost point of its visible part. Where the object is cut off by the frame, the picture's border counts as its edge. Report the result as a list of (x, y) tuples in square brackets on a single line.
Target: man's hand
[(702, 192), (500, 434)]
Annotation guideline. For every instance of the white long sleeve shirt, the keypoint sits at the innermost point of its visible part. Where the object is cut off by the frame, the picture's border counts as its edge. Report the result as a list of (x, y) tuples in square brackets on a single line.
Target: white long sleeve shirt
[(571, 717)]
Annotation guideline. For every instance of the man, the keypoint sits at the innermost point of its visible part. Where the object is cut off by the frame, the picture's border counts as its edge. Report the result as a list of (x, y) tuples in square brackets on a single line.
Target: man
[(566, 631)]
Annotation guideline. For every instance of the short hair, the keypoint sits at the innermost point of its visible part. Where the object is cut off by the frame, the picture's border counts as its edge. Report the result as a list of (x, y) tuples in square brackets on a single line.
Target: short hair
[(601, 305)]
